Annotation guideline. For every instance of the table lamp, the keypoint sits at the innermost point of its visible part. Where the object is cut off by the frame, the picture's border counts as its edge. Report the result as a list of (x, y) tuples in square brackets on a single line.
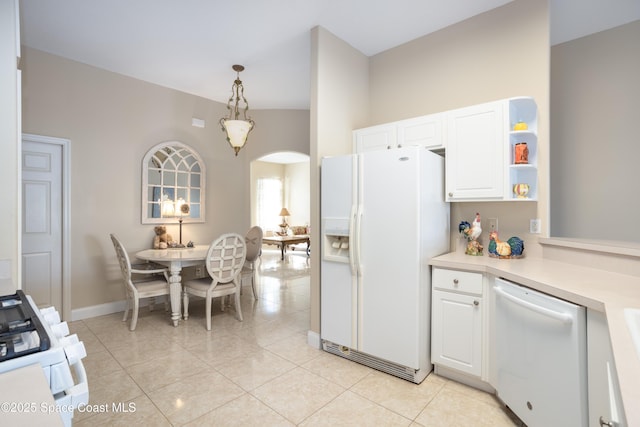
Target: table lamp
[(284, 213)]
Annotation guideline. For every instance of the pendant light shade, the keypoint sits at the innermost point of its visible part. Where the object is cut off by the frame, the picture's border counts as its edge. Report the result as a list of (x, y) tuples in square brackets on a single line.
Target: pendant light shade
[(236, 129)]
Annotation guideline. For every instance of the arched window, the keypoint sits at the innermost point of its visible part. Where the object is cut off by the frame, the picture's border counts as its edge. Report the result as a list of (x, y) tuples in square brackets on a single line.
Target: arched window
[(173, 184)]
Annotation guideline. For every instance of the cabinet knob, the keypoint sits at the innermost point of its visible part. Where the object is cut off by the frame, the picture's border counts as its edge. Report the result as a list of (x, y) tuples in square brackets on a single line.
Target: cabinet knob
[(455, 281), (450, 194), (605, 423), (476, 302)]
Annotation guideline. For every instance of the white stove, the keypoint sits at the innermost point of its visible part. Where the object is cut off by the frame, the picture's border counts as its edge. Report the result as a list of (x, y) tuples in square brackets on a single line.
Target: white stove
[(29, 335)]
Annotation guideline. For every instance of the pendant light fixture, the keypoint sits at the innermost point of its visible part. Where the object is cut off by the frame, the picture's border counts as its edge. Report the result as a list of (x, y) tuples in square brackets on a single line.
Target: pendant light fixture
[(237, 129)]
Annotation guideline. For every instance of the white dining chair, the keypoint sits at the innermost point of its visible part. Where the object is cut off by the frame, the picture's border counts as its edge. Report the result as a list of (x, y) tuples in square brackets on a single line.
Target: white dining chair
[(224, 261), (253, 240), (151, 281)]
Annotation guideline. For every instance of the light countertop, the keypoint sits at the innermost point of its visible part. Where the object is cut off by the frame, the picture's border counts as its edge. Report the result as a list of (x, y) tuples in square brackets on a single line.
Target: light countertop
[(596, 289)]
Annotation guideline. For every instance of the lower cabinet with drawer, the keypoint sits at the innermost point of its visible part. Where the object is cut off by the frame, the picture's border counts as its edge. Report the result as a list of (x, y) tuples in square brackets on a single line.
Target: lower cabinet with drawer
[(457, 327)]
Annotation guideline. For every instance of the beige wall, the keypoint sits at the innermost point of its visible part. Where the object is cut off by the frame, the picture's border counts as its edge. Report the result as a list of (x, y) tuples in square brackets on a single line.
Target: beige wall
[(9, 143), (499, 54), (595, 88), (297, 197), (112, 120), (339, 104)]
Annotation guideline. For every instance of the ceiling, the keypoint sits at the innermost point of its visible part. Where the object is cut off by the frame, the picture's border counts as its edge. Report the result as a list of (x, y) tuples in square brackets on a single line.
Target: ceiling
[(190, 45)]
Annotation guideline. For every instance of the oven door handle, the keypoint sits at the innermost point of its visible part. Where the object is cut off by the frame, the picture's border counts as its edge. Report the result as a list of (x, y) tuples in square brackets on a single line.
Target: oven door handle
[(562, 317)]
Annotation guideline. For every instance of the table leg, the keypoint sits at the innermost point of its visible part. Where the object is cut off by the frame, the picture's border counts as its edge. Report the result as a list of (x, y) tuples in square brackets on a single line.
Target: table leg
[(175, 289), (282, 251)]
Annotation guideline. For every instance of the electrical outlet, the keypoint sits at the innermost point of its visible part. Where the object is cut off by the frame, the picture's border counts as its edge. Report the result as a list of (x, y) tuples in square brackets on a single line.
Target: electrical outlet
[(199, 271), (535, 226), (493, 224)]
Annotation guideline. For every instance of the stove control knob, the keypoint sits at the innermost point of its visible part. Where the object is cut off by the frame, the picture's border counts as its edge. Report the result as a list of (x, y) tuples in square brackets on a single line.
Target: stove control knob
[(74, 349), (60, 330), (52, 317)]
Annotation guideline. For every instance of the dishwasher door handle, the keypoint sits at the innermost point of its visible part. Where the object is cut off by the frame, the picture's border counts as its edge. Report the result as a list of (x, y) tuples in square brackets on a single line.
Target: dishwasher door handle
[(562, 317)]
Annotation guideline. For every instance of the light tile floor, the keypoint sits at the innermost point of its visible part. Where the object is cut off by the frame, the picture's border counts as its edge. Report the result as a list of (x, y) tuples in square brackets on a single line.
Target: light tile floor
[(257, 372)]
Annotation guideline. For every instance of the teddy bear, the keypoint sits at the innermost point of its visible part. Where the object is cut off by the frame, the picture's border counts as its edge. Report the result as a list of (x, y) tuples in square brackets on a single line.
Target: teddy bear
[(161, 239)]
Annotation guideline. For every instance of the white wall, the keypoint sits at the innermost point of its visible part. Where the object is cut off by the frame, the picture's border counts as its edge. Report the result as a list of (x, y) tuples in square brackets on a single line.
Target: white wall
[(9, 144)]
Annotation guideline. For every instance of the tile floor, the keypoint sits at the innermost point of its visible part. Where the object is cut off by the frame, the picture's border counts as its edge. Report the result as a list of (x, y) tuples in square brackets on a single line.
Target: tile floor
[(257, 372)]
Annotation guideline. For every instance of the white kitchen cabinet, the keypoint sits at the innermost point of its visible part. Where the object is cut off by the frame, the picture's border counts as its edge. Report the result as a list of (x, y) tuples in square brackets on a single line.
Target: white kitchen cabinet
[(605, 404), (475, 159), (481, 151), (457, 321), (425, 131), (381, 137)]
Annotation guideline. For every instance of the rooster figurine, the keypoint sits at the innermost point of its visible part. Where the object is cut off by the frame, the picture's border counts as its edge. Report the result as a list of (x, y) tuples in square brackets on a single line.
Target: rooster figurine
[(514, 247), (476, 229), (472, 232)]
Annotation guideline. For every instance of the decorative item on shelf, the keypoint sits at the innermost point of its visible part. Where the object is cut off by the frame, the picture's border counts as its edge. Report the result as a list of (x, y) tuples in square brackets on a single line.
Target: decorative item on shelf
[(512, 248), (472, 233), (520, 126), (237, 130), (521, 152), (284, 213), (191, 244), (521, 190)]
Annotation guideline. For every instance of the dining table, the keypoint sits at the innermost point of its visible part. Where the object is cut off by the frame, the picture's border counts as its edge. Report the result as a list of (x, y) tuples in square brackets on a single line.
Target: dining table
[(175, 259)]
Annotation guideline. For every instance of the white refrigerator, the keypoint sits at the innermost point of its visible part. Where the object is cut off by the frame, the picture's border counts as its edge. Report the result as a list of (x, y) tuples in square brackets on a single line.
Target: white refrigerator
[(383, 216)]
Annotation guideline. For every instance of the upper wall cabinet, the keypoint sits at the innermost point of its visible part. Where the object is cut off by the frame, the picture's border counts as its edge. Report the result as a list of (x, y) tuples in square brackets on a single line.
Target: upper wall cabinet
[(475, 153), (380, 137), (492, 151), (425, 131), (173, 184)]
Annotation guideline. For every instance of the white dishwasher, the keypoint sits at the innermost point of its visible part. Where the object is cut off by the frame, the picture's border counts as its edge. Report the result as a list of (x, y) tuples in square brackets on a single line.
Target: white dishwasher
[(541, 356)]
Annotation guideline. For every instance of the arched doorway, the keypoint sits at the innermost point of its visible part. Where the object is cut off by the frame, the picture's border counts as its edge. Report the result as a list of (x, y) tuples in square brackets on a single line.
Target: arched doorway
[(280, 180)]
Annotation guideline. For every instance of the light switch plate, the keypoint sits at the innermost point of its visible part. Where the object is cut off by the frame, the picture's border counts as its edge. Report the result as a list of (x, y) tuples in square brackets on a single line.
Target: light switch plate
[(535, 226)]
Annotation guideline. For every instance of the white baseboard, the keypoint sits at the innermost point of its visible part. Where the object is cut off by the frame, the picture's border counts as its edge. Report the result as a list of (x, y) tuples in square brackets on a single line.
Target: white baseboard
[(313, 339), (103, 309), (97, 310)]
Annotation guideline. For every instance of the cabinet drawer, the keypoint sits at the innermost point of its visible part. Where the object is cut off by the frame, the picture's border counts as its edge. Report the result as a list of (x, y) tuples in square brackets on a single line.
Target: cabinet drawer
[(458, 281)]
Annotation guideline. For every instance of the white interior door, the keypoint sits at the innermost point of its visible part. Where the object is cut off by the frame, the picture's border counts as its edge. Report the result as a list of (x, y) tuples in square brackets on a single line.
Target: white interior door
[(42, 222)]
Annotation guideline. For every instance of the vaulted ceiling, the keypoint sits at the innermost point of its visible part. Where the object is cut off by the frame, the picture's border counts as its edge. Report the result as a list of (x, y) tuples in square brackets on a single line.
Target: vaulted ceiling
[(190, 45)]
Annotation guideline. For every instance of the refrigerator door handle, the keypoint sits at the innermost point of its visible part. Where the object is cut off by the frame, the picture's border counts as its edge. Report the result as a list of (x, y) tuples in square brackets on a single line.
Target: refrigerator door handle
[(352, 240), (358, 241)]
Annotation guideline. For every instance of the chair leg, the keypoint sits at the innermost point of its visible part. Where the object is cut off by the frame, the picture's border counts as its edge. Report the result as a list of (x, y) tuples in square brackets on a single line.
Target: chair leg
[(253, 285), (134, 314), (152, 301), (185, 305), (127, 305), (238, 307), (208, 312)]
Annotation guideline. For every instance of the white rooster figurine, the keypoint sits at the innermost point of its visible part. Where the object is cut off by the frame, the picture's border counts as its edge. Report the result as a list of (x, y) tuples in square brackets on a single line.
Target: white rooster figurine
[(476, 230), (472, 233)]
